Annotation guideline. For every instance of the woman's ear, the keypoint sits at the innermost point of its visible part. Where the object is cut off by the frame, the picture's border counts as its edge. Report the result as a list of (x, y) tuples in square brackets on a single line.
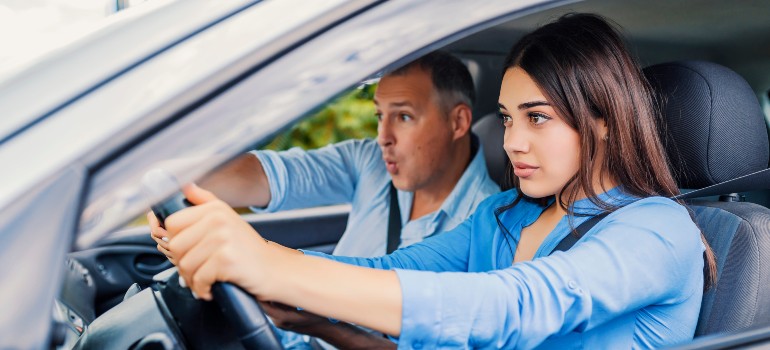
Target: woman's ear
[(461, 119), (602, 130)]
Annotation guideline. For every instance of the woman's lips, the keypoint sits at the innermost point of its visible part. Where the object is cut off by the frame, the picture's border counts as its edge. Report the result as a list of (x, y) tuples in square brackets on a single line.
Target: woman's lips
[(523, 170)]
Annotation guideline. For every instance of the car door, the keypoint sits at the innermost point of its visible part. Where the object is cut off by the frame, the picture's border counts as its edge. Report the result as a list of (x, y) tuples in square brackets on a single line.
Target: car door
[(234, 80)]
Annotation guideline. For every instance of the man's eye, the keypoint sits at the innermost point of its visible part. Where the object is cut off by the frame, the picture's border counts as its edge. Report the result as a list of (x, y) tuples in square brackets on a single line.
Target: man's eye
[(405, 117), (538, 118), (379, 116)]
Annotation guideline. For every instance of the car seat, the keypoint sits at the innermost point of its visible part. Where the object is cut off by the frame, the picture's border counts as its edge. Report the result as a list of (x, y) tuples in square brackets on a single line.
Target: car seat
[(713, 130), (490, 131)]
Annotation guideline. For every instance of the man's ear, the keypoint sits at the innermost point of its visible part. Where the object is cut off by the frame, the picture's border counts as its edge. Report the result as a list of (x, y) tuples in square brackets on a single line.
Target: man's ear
[(461, 119)]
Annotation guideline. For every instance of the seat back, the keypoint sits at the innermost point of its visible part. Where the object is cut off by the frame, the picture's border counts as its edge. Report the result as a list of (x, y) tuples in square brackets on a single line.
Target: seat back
[(713, 130), (490, 131)]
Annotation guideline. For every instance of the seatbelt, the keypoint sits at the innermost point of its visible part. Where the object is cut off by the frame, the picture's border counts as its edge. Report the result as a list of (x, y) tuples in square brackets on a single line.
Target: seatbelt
[(572, 238), (394, 222), (759, 180)]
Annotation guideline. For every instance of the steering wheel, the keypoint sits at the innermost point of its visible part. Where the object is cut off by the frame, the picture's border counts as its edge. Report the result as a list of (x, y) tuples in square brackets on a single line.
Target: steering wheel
[(238, 307), (246, 316)]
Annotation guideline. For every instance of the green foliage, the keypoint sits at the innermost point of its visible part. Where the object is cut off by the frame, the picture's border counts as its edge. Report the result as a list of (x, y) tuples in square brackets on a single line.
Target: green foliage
[(350, 116)]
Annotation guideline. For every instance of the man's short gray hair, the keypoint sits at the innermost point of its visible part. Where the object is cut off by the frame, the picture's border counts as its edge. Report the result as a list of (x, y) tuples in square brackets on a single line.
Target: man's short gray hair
[(450, 77)]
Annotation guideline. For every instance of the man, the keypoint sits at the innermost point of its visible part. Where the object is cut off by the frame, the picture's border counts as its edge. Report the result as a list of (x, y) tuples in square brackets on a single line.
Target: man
[(424, 146)]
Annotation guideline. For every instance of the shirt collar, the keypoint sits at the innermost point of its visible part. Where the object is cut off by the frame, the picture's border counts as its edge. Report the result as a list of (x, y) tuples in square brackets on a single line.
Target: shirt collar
[(614, 197), (473, 176)]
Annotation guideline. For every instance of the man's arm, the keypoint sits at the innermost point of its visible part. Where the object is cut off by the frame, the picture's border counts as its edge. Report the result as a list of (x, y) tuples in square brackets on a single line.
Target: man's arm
[(240, 183), (341, 335)]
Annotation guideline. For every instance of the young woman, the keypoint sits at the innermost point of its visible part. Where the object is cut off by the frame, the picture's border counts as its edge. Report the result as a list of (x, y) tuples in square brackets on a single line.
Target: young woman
[(580, 133)]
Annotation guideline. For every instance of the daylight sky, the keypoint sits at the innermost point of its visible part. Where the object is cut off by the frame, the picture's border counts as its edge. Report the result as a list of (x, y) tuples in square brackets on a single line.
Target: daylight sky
[(29, 28)]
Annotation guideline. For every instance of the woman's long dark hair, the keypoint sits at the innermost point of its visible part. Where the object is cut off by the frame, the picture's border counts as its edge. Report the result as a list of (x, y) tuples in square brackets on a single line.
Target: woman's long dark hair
[(581, 64)]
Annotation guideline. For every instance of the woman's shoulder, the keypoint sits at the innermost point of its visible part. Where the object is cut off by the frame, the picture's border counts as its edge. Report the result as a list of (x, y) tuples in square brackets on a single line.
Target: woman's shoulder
[(659, 215), (658, 205)]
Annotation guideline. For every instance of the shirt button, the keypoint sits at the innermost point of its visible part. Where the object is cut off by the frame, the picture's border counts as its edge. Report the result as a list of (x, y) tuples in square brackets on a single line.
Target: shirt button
[(572, 284), (417, 345)]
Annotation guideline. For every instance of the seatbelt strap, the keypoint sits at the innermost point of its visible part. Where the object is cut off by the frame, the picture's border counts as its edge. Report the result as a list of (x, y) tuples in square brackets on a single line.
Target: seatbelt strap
[(394, 222), (572, 238), (759, 180)]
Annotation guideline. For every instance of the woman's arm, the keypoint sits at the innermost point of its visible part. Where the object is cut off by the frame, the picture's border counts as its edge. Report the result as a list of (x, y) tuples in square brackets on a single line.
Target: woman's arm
[(447, 251)]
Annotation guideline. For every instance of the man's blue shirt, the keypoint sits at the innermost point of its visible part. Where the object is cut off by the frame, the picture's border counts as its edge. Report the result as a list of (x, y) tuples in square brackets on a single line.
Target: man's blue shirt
[(354, 172), (634, 280)]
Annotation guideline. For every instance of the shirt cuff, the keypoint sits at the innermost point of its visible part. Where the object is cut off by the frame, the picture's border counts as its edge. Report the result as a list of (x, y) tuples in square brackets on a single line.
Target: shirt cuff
[(421, 309), (277, 178)]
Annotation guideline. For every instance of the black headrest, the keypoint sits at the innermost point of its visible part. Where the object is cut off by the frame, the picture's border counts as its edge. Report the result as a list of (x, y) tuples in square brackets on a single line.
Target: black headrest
[(713, 128)]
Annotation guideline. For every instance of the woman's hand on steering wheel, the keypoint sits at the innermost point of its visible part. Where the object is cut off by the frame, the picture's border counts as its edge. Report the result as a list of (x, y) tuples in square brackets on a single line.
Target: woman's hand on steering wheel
[(210, 243)]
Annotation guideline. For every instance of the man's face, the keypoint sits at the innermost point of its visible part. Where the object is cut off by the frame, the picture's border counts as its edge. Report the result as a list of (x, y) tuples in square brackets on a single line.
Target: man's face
[(414, 134)]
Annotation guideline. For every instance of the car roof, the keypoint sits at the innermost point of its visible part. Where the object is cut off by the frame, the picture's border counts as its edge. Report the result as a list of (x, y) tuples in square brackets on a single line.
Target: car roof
[(731, 34)]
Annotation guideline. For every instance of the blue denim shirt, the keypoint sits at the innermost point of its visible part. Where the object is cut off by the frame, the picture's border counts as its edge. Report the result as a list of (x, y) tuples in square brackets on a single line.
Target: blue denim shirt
[(354, 172), (634, 280)]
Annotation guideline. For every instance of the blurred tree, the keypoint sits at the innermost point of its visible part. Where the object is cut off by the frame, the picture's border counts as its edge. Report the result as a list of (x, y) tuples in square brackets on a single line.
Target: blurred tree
[(351, 116)]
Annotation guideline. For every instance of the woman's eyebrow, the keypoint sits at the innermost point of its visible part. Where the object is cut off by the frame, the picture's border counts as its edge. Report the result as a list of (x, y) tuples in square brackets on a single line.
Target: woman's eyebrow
[(526, 105), (501, 106)]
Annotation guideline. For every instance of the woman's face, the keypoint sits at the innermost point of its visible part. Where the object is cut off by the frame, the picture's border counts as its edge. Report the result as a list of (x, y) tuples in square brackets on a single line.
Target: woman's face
[(544, 150)]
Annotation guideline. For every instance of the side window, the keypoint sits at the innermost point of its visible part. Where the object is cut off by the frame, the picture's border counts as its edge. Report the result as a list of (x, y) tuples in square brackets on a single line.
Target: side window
[(350, 116)]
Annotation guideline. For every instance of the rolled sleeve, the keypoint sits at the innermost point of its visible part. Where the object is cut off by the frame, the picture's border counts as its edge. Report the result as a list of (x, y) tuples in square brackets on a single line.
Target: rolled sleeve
[(277, 178), (304, 179), (459, 310), (421, 310)]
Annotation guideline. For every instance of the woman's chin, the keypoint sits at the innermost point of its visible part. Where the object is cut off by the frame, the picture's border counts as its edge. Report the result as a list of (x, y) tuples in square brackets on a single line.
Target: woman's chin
[(534, 192)]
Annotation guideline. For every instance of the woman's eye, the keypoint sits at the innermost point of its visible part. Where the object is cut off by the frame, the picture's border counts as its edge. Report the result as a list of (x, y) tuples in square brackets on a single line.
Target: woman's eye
[(506, 119), (538, 119)]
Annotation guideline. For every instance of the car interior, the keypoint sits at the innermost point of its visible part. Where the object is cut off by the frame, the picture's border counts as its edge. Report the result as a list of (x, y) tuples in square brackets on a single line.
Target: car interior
[(710, 70)]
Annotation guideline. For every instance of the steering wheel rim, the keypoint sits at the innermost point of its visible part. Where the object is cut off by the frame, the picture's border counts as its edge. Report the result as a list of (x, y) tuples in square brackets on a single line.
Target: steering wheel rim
[(238, 307), (233, 320), (246, 316)]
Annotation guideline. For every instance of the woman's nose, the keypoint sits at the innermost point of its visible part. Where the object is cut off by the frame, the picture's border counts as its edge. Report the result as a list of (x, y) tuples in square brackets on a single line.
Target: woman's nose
[(515, 140)]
